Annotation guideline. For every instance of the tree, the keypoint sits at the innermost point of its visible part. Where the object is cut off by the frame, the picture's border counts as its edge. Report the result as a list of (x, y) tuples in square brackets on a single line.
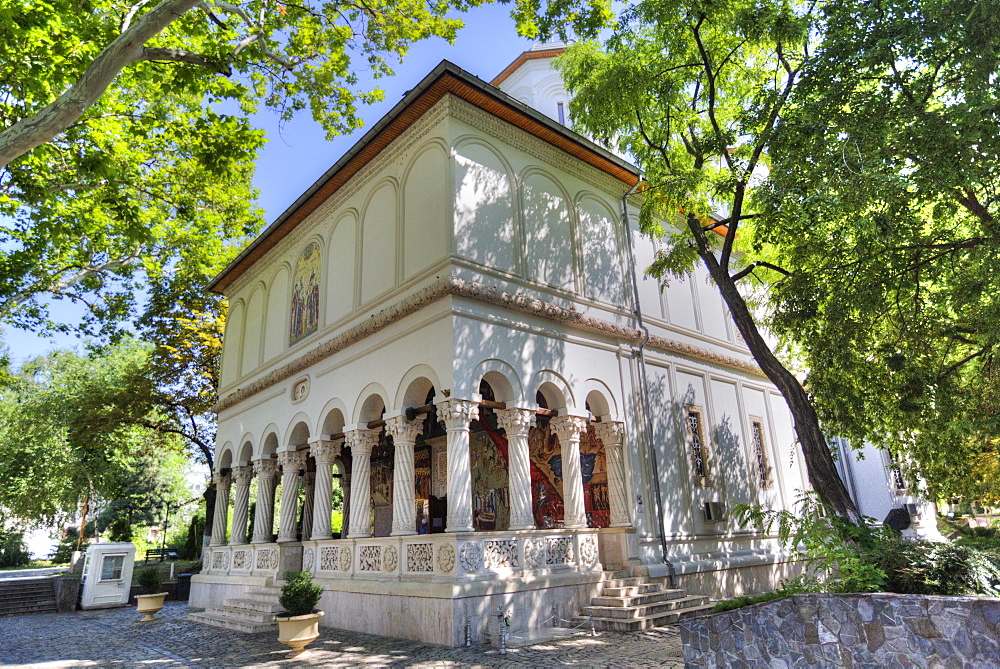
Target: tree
[(62, 443), (126, 149), (883, 206), (694, 91)]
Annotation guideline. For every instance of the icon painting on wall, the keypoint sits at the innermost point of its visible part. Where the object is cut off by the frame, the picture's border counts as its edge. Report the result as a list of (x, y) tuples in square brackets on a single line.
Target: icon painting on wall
[(305, 294)]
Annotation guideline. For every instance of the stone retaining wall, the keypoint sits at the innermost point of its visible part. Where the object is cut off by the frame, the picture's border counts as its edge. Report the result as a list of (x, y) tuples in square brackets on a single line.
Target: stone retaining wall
[(821, 630)]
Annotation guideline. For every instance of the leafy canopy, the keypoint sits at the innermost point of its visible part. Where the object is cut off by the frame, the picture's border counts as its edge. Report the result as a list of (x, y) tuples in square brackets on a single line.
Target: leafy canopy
[(882, 205), (125, 149)]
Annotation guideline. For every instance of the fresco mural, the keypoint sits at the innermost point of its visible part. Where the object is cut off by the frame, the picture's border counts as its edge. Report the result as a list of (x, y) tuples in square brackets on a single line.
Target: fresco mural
[(305, 294), (490, 490), (491, 485), (382, 463)]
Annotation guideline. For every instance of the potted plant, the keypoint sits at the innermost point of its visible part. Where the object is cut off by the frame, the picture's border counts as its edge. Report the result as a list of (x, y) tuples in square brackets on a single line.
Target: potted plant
[(298, 624), (149, 581)]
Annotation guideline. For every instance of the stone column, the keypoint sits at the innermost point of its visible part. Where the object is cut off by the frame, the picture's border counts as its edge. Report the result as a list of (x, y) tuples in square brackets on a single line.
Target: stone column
[(361, 441), (568, 429), (457, 414), (345, 513), (291, 462), (404, 435), (222, 482), (611, 435), (516, 422), (309, 486), (241, 503), (263, 522), (324, 453)]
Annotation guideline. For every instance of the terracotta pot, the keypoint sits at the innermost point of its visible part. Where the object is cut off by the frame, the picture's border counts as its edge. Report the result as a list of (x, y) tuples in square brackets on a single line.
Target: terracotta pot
[(149, 604), (297, 632)]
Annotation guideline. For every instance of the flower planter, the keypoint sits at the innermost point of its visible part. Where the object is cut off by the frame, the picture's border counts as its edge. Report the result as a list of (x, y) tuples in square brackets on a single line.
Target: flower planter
[(149, 605), (297, 632)]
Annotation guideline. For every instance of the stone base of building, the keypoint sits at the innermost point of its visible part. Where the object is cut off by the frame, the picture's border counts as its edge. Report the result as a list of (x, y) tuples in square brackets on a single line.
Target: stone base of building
[(438, 588)]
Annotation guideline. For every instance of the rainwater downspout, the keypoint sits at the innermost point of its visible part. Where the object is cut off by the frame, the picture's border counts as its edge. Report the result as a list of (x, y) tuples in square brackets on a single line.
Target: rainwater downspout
[(647, 432)]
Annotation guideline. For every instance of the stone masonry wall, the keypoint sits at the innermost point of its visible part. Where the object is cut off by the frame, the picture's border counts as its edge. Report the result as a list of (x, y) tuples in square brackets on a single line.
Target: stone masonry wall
[(821, 630)]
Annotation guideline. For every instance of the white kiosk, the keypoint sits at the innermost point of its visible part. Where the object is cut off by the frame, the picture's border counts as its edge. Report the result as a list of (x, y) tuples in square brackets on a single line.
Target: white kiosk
[(107, 575)]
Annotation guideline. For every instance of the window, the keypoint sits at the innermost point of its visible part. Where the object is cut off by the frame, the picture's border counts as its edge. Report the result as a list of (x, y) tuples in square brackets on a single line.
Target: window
[(760, 453), (896, 472), (562, 113), (699, 453), (112, 566)]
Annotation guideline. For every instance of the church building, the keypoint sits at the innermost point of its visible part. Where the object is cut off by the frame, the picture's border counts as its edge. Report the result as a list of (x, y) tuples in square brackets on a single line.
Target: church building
[(452, 325)]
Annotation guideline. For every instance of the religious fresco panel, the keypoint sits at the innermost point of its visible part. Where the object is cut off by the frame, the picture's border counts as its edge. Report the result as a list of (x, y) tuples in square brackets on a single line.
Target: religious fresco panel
[(382, 465), (305, 294)]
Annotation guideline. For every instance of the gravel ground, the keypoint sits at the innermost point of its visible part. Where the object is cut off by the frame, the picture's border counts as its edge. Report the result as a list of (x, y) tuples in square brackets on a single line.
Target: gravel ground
[(114, 638)]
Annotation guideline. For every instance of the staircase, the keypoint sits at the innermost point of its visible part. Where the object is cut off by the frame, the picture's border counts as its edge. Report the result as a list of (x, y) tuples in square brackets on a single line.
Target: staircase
[(632, 603), (27, 595), (251, 613)]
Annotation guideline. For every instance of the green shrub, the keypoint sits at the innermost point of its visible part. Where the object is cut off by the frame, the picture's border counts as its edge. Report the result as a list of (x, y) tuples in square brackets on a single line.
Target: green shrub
[(300, 595), (13, 551), (149, 580), (849, 558)]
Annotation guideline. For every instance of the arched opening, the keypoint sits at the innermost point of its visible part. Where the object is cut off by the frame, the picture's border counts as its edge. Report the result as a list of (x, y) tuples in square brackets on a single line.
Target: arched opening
[(594, 467), (490, 467)]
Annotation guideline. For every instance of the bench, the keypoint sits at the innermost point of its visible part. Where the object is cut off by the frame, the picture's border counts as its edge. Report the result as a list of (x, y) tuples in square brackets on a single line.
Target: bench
[(162, 553)]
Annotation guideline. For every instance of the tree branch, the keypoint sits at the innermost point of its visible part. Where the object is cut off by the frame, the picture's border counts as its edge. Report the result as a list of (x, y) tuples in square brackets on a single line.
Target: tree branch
[(760, 263), (42, 126), (180, 56)]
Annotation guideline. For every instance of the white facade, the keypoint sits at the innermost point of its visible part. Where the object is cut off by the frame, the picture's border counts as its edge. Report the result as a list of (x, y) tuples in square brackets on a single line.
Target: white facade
[(466, 248)]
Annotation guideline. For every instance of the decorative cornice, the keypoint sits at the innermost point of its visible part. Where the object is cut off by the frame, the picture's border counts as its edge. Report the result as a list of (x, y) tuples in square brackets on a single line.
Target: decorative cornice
[(454, 286)]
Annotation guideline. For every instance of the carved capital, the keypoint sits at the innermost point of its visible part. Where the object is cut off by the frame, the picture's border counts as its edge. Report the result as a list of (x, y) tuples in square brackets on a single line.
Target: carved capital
[(516, 421), (457, 414), (222, 480), (324, 451), (243, 475), (403, 431), (265, 469), (361, 441), (610, 433), (292, 460), (568, 427)]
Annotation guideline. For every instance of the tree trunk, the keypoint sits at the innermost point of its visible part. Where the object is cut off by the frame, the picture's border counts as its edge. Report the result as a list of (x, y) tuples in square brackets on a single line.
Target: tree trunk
[(85, 507), (209, 496), (819, 462)]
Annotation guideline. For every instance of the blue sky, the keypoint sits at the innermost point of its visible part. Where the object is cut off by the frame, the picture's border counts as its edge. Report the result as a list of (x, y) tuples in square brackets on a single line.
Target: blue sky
[(298, 153)]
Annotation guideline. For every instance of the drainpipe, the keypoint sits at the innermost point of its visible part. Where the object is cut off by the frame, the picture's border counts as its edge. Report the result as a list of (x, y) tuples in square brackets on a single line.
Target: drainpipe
[(647, 432)]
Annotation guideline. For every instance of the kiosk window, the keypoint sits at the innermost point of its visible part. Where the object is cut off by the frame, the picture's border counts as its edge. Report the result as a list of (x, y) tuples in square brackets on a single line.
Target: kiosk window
[(111, 567)]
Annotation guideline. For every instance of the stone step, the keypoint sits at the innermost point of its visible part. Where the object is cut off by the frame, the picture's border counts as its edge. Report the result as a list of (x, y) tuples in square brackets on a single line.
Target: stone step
[(632, 590), (43, 606), (638, 600), (643, 622), (26, 599), (27, 587), (254, 605), (25, 596), (243, 615), (621, 573), (627, 612), (214, 620), (622, 582)]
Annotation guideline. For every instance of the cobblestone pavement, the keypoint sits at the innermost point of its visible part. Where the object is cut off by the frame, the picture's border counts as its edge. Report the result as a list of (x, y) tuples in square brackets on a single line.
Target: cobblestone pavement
[(114, 638)]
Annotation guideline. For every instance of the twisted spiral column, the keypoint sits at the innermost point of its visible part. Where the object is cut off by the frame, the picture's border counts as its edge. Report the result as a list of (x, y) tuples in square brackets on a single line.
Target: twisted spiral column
[(222, 482), (361, 441), (241, 503), (404, 435), (516, 422), (612, 435), (457, 415), (324, 453), (568, 429), (291, 462), (263, 523)]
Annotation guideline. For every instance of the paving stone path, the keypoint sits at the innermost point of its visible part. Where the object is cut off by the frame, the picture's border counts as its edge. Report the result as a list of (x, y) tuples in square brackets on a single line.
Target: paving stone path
[(113, 638)]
